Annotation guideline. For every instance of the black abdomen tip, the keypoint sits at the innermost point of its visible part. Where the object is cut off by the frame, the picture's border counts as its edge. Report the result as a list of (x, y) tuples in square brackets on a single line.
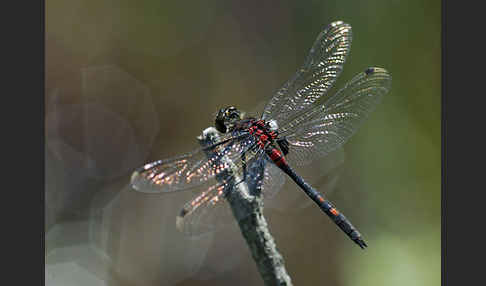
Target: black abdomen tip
[(361, 243), (369, 71)]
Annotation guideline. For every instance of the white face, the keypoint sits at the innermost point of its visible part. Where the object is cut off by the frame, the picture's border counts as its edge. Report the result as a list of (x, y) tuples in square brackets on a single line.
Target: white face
[(273, 125)]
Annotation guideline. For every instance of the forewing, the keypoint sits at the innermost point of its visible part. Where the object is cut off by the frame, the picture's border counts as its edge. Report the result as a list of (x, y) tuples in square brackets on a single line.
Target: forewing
[(326, 127), (193, 169), (321, 68)]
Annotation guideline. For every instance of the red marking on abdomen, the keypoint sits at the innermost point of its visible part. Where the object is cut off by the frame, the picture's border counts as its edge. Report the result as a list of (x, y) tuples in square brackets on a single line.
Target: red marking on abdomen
[(277, 157), (334, 211)]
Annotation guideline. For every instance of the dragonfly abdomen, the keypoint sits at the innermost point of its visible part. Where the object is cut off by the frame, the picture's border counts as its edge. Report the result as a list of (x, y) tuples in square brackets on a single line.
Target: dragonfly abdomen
[(339, 219), (276, 157)]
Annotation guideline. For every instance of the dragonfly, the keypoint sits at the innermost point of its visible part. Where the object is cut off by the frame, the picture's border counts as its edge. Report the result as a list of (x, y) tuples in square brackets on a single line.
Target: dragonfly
[(302, 122)]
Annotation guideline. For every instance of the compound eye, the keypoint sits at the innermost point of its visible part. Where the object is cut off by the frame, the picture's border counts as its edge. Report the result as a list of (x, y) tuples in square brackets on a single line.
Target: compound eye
[(221, 112)]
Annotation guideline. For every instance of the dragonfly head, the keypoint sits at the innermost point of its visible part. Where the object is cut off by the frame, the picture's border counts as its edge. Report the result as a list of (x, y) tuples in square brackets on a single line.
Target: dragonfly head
[(226, 118)]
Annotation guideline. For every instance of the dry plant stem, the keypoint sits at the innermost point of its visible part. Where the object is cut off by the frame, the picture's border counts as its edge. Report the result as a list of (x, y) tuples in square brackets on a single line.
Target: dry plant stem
[(257, 235), (245, 199)]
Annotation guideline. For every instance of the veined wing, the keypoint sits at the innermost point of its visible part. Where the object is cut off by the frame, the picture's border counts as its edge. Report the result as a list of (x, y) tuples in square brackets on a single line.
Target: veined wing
[(209, 210), (206, 212), (192, 169), (326, 127), (273, 180), (321, 68)]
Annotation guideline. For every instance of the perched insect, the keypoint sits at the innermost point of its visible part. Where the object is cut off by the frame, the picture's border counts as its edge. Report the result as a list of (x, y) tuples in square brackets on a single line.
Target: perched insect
[(300, 123)]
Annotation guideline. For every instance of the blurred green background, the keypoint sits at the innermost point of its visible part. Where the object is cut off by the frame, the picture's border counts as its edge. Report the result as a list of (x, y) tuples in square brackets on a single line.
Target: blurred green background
[(198, 56)]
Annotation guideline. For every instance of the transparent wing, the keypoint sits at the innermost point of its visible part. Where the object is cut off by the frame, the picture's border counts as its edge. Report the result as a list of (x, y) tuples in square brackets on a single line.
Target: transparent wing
[(273, 180), (193, 169), (321, 68), (206, 212), (269, 181), (209, 209), (326, 127)]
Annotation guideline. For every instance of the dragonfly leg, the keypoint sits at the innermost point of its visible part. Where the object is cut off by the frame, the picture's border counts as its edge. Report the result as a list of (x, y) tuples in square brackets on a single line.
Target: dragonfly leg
[(243, 160)]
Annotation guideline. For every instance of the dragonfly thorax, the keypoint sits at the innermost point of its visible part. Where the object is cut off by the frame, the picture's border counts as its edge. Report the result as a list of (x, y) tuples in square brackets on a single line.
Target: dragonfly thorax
[(263, 131), (267, 133)]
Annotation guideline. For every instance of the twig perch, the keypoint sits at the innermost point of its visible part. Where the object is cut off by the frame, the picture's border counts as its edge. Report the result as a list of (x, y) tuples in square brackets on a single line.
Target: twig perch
[(246, 204)]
